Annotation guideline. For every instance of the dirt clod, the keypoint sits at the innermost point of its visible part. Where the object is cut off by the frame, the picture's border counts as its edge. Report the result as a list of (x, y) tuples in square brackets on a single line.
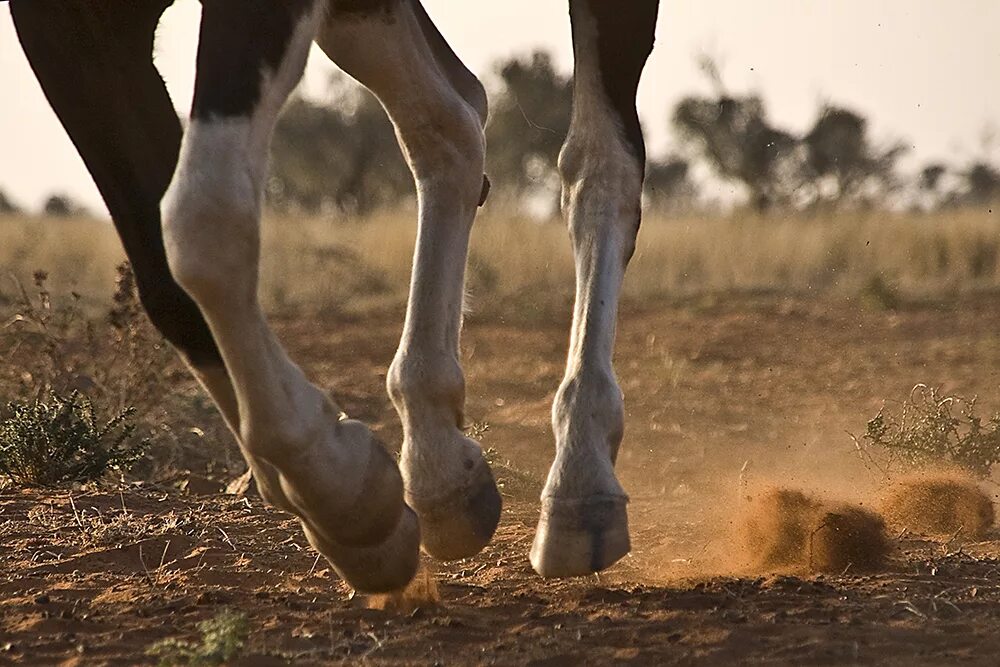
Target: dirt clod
[(938, 505), (776, 526), (420, 593), (788, 529), (848, 538)]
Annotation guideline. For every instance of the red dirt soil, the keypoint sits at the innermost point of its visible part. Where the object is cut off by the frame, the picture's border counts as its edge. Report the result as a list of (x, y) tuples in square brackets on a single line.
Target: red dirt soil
[(715, 396)]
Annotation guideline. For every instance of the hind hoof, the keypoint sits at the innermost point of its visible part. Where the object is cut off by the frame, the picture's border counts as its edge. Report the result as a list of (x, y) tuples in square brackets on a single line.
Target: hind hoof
[(460, 524), (381, 568), (580, 537)]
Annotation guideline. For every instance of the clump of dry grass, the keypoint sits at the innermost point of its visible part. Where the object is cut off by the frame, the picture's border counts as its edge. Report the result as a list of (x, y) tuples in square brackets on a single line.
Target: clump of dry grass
[(113, 356), (938, 505), (87, 526), (879, 259), (786, 529), (81, 253), (512, 481)]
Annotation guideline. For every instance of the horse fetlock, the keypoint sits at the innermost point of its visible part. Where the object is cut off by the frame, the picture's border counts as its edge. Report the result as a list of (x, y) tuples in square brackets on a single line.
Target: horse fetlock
[(418, 383), (589, 412)]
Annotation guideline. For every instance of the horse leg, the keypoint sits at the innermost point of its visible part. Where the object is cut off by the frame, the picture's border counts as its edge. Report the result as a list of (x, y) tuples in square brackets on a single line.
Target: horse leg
[(343, 486), (438, 108), (584, 525)]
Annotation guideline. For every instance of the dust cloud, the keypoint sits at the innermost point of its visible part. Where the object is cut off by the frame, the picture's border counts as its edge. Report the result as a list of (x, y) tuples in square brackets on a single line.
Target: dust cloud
[(802, 517)]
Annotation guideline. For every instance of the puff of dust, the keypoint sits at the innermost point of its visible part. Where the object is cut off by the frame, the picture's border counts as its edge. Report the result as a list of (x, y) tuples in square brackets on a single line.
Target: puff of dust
[(788, 529), (938, 505), (420, 593)]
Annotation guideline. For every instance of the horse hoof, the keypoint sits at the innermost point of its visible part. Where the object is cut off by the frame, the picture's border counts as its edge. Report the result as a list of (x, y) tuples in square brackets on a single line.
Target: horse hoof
[(460, 524), (381, 568), (580, 536)]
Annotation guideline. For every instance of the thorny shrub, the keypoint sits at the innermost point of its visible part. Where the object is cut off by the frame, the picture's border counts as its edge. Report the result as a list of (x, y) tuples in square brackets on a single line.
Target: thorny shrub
[(121, 363), (63, 441), (930, 428)]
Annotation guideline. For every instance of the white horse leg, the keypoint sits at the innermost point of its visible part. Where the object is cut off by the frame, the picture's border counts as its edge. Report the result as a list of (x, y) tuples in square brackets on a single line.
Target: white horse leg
[(584, 525), (438, 108), (343, 486)]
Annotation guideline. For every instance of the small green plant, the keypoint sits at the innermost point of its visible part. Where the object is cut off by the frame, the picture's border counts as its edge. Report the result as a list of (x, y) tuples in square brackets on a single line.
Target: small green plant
[(929, 428), (64, 440), (880, 293), (222, 638)]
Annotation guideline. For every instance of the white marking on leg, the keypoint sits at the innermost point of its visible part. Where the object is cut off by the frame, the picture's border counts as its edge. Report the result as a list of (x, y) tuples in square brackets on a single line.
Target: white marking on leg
[(216, 382), (342, 485)]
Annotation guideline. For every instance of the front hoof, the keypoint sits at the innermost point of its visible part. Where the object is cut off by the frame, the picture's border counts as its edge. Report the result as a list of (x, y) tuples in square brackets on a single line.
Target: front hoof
[(382, 568), (578, 537), (460, 524)]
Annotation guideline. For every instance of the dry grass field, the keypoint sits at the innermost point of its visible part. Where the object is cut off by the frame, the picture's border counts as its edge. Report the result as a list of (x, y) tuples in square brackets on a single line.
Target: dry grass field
[(749, 350), (312, 265)]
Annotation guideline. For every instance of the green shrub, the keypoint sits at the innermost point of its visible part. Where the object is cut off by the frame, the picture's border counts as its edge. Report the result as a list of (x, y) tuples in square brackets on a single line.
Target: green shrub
[(112, 353), (930, 428), (64, 440), (880, 293), (222, 638)]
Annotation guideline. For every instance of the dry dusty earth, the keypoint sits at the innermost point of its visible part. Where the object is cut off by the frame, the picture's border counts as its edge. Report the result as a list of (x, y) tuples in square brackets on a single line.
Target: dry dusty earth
[(719, 397)]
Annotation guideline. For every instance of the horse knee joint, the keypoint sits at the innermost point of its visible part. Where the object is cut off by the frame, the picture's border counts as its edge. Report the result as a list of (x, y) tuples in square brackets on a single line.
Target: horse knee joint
[(210, 216)]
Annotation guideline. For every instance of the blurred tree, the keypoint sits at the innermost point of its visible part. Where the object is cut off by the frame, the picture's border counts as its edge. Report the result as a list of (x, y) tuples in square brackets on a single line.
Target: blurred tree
[(529, 117), (932, 191), (668, 185), (345, 156), (735, 137), (982, 184), (7, 206), (60, 206), (842, 164), (931, 175), (342, 156)]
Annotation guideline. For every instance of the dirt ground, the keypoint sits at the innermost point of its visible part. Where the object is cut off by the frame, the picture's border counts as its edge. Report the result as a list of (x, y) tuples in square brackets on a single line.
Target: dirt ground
[(719, 397)]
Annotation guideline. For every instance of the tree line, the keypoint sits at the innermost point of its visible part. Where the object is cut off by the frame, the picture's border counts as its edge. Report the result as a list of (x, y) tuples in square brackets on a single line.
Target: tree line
[(342, 156)]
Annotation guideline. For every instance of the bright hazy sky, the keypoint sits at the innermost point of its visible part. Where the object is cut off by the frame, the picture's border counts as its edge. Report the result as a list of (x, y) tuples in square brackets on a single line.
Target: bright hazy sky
[(927, 71)]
